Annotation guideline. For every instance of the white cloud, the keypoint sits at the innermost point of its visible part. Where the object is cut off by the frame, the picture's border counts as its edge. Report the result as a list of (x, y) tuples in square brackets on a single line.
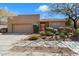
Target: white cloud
[(43, 8), (6, 8)]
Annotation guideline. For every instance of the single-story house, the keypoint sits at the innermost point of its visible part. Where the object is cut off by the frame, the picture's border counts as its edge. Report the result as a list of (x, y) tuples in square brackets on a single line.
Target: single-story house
[(24, 23)]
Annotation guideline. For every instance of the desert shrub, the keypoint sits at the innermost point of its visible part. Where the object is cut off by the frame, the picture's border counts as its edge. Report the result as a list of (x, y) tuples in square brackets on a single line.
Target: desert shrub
[(77, 31), (56, 33), (68, 29), (62, 34), (70, 34), (42, 33), (36, 28), (3, 30), (61, 29), (34, 37), (75, 36), (49, 29), (48, 33)]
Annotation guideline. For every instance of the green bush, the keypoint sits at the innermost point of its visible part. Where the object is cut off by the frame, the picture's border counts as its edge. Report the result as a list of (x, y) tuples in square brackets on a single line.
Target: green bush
[(36, 28), (48, 33), (42, 33), (34, 37), (3, 30)]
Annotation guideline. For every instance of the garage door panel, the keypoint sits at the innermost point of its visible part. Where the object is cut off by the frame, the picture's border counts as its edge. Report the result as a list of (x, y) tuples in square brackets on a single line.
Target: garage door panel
[(25, 28)]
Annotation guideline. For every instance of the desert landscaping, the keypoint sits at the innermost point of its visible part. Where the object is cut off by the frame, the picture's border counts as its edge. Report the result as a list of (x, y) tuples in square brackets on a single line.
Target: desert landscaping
[(41, 44)]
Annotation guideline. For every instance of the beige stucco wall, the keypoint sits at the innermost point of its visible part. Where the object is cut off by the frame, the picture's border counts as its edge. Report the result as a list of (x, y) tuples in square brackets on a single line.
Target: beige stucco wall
[(22, 19), (57, 24)]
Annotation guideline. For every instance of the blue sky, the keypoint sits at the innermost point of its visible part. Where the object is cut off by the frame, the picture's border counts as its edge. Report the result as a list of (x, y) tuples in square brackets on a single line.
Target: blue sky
[(30, 8)]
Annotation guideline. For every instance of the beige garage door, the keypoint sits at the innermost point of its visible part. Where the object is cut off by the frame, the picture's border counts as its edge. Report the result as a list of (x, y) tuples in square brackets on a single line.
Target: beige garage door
[(26, 28)]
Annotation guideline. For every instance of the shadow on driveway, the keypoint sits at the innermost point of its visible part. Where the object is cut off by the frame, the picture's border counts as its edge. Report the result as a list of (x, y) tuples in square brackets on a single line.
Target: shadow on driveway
[(15, 34)]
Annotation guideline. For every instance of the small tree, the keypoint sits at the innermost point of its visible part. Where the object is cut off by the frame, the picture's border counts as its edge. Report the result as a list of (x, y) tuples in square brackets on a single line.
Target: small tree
[(5, 13), (70, 10)]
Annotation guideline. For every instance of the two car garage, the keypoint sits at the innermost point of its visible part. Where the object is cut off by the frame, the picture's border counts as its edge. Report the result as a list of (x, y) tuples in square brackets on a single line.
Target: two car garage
[(22, 24), (22, 28)]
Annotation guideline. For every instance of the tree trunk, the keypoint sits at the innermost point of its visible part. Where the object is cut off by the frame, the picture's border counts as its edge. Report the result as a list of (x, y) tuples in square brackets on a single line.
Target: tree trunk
[(75, 24)]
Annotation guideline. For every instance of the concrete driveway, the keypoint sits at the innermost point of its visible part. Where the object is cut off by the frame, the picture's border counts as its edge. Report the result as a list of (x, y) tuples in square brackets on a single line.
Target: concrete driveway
[(7, 40)]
